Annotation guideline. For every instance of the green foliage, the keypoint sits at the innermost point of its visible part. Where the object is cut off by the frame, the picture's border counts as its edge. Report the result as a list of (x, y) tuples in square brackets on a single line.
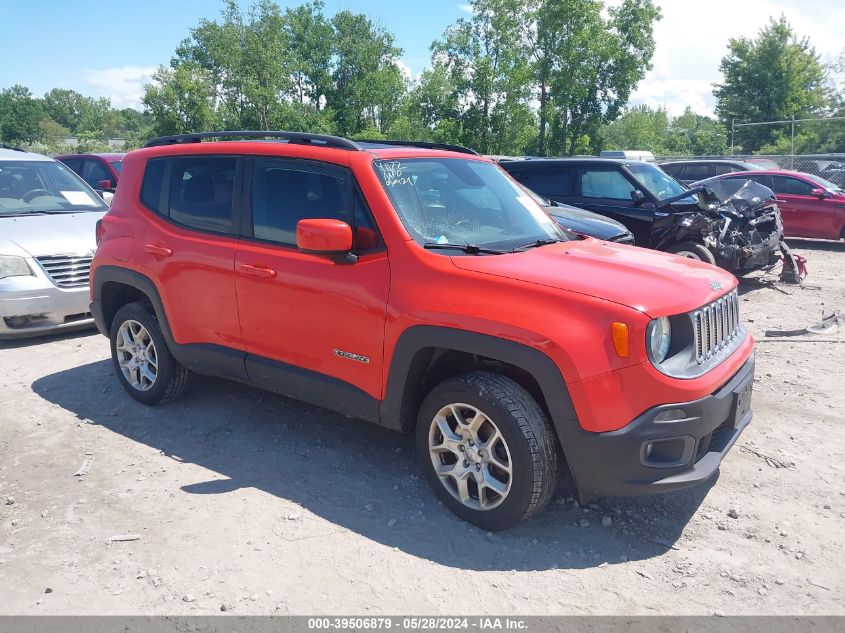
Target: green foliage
[(770, 78), (644, 128), (587, 61), (181, 99), (20, 116)]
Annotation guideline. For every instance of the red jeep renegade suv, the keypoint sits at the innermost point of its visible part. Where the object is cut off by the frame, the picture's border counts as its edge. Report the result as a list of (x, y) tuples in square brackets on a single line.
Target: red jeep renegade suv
[(419, 287)]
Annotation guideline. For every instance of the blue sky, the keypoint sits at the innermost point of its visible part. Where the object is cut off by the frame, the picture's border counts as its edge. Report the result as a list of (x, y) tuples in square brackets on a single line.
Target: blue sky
[(109, 49)]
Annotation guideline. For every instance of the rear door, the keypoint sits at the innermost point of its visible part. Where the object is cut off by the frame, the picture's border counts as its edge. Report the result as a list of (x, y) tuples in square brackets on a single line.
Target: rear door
[(188, 250), (804, 215), (555, 182), (313, 328)]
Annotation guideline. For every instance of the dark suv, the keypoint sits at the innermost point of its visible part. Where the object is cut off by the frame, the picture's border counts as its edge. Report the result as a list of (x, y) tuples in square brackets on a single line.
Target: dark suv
[(740, 229), (688, 171)]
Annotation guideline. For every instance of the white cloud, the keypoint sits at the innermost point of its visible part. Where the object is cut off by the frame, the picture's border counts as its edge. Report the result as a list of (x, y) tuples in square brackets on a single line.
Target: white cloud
[(465, 7), (124, 85), (689, 48)]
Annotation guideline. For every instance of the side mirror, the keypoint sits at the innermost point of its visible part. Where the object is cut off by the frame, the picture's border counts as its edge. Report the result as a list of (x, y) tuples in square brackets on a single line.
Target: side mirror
[(819, 193), (637, 196), (104, 184), (331, 238)]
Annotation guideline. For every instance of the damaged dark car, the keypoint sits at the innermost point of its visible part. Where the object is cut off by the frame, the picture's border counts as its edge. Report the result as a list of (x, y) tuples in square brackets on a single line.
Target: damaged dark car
[(737, 227)]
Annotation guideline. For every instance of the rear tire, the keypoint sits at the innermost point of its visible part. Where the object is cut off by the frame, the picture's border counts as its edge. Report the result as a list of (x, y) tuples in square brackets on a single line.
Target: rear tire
[(693, 250), (487, 448), (141, 359)]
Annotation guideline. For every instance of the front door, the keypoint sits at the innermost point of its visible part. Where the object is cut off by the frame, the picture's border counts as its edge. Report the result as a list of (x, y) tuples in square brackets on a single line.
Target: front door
[(607, 191), (804, 214), (313, 328)]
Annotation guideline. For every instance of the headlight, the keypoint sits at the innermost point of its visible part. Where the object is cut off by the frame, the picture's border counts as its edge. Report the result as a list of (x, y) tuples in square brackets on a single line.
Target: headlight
[(13, 267), (658, 339)]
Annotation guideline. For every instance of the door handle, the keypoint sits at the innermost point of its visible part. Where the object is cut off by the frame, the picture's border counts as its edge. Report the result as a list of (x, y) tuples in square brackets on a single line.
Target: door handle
[(257, 271), (155, 249)]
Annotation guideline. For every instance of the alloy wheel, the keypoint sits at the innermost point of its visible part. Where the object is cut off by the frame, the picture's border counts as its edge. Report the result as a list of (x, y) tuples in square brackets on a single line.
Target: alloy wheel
[(136, 355), (470, 456)]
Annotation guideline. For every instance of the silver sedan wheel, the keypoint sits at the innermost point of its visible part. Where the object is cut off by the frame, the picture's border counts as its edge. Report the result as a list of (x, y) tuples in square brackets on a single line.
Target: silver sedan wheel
[(136, 355), (470, 456)]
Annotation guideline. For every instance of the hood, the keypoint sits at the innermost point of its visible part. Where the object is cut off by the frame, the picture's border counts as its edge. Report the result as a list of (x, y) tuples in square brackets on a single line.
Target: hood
[(586, 222), (40, 235), (731, 195), (652, 282)]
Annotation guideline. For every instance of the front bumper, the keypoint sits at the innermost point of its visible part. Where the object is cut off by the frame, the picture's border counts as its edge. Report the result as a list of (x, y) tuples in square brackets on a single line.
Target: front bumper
[(688, 442), (33, 305)]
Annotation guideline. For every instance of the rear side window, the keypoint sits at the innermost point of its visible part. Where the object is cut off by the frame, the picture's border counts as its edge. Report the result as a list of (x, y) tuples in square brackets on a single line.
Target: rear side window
[(676, 170), (603, 183), (548, 182), (698, 171), (722, 168), (201, 192), (153, 184)]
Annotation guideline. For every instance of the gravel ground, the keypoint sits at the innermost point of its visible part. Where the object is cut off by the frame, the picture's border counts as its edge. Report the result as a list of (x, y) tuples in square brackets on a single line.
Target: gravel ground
[(238, 500)]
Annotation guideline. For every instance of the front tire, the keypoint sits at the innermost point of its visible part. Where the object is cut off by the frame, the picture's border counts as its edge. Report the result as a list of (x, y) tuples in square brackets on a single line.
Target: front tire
[(487, 448), (141, 359), (693, 250)]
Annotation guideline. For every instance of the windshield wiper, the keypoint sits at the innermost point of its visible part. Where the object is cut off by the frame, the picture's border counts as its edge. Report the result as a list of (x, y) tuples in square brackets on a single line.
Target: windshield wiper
[(536, 243), (469, 249)]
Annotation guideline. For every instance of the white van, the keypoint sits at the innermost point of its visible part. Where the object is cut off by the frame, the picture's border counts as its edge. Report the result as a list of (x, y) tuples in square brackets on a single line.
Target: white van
[(636, 154)]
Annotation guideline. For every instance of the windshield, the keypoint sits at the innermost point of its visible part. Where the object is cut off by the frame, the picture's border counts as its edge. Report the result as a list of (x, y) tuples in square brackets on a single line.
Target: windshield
[(460, 201), (43, 187), (825, 184)]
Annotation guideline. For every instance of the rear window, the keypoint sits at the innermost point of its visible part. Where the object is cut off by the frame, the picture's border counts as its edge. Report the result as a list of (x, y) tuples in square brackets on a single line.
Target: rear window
[(153, 183), (201, 192)]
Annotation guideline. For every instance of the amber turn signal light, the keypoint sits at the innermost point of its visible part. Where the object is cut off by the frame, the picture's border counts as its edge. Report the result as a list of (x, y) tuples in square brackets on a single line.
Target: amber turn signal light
[(619, 334)]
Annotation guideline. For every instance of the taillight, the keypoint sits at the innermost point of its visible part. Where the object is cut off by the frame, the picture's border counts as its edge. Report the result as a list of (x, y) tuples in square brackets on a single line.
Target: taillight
[(99, 232)]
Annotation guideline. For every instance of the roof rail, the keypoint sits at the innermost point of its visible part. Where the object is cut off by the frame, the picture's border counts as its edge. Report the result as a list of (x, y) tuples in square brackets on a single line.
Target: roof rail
[(302, 138), (424, 144)]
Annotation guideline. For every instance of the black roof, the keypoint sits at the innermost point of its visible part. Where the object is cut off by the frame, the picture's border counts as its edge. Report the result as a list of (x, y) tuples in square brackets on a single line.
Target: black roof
[(540, 162), (704, 161)]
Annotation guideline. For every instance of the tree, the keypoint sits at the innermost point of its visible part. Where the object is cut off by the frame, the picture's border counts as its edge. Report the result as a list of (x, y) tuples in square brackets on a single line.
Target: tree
[(308, 46), (773, 77), (20, 116), (597, 62), (640, 128), (367, 85), (484, 58), (180, 100)]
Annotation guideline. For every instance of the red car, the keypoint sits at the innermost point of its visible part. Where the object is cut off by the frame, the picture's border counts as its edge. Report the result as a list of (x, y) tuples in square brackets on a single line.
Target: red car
[(422, 289), (810, 206), (100, 171)]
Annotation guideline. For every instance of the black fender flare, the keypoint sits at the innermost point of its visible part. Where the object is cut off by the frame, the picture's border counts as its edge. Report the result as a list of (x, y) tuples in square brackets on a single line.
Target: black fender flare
[(116, 274), (412, 353)]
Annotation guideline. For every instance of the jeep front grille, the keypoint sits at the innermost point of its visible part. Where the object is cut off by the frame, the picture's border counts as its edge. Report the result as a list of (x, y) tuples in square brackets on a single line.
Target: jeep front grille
[(715, 326), (66, 271)]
